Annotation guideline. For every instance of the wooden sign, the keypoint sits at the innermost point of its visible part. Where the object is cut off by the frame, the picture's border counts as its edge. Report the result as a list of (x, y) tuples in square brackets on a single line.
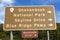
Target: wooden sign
[(29, 18)]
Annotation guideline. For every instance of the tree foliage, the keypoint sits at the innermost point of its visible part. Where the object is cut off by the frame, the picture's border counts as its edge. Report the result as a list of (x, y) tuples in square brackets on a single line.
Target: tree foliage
[(54, 34)]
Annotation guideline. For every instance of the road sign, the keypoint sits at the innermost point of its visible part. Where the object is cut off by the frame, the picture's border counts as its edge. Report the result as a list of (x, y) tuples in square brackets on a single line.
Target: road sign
[(29, 34), (29, 18)]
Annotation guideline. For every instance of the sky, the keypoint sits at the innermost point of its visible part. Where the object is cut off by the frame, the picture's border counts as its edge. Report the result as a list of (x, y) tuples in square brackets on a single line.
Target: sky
[(4, 3)]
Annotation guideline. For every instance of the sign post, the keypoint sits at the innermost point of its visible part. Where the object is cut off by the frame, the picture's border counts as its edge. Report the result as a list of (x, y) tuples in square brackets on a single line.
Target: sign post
[(29, 18), (11, 35), (48, 37)]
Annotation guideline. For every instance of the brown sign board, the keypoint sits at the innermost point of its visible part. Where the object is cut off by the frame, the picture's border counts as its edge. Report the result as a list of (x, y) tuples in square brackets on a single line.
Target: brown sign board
[(29, 34), (29, 18)]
